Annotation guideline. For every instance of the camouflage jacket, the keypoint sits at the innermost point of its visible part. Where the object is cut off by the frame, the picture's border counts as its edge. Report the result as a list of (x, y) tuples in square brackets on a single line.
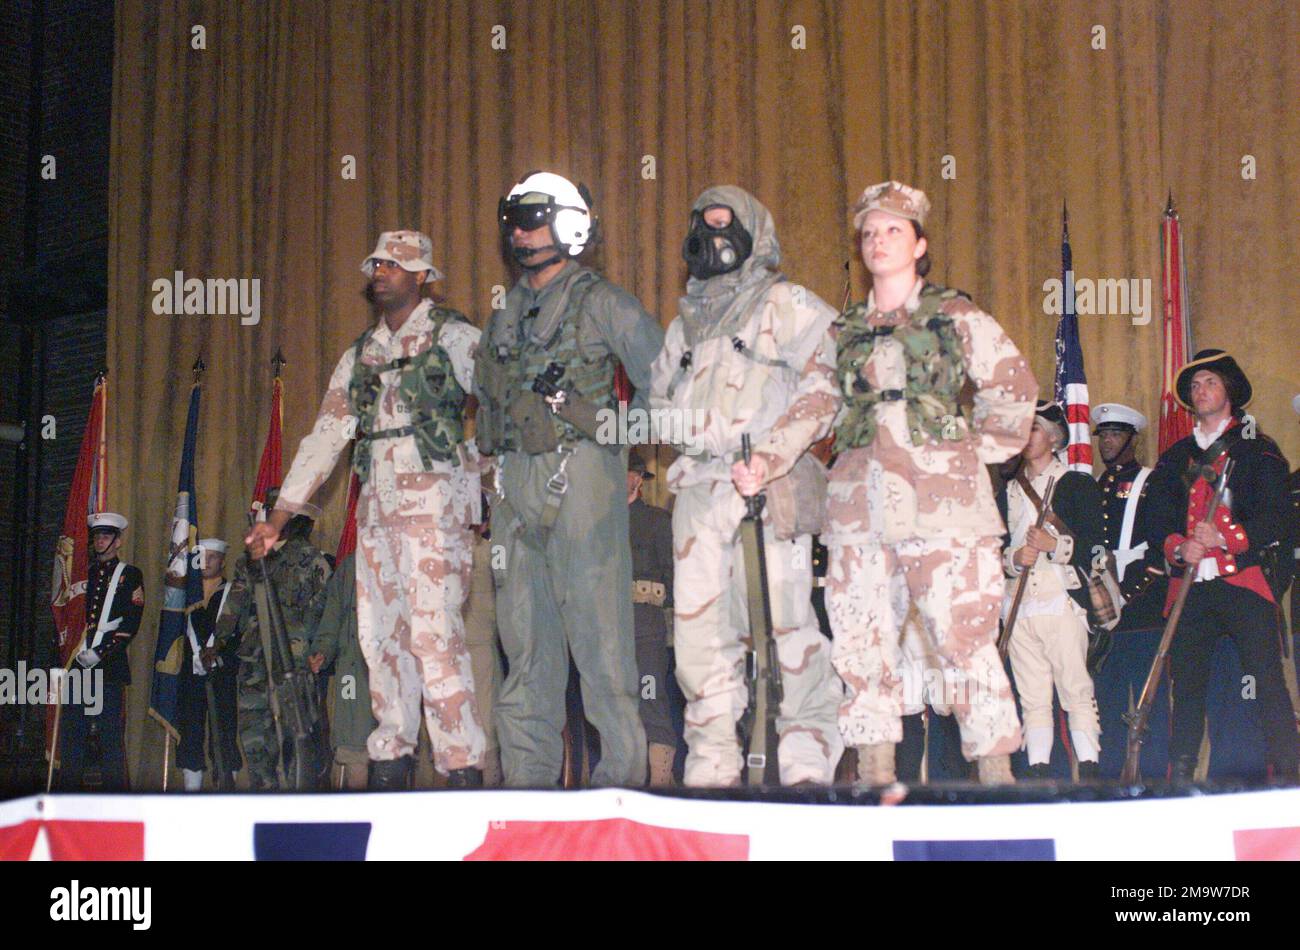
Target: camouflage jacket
[(935, 372), (899, 487), (401, 489), (774, 381), (426, 385), (299, 572)]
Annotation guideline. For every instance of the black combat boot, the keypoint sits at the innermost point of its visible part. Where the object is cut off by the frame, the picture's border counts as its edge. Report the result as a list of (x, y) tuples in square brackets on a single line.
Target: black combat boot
[(1183, 771), (465, 778), (1089, 772), (390, 775), (1039, 772)]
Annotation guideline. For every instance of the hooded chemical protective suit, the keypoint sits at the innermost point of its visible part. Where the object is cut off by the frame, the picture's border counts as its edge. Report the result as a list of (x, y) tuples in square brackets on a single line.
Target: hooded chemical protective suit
[(749, 354)]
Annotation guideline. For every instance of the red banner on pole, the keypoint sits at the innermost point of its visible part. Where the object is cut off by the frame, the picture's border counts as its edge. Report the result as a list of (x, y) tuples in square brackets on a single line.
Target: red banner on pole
[(270, 471), (348, 540), (1175, 421), (72, 555), (89, 494)]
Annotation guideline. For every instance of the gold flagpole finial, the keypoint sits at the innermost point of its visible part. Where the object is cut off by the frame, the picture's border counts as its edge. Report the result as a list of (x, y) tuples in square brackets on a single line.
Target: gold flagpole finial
[(198, 367), (278, 361)]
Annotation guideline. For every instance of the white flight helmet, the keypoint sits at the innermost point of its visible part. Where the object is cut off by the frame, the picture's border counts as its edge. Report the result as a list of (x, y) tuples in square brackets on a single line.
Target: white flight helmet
[(568, 211)]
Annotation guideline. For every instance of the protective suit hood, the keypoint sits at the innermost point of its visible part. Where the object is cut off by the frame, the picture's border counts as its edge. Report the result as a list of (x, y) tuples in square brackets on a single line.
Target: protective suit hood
[(721, 302)]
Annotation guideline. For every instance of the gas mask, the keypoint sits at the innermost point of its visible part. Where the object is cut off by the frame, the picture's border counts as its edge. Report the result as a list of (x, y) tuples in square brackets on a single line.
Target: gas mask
[(710, 251)]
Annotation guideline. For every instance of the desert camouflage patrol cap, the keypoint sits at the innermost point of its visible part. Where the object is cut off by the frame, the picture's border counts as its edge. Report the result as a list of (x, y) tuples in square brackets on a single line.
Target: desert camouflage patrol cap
[(895, 198), (410, 250)]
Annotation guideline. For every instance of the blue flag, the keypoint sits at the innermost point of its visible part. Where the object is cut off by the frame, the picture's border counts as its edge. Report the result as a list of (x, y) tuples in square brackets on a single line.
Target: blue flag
[(182, 585)]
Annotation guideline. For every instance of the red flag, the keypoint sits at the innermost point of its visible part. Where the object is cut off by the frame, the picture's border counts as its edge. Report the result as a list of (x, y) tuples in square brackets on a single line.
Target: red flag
[(270, 471), (89, 494), (348, 541), (623, 388), (1175, 421)]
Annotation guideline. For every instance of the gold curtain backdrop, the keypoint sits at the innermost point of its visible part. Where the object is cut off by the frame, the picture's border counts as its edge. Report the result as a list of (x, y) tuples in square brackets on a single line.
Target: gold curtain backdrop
[(227, 162)]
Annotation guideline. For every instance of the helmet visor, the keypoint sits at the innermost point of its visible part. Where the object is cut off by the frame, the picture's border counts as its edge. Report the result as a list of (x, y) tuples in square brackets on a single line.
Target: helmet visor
[(526, 217)]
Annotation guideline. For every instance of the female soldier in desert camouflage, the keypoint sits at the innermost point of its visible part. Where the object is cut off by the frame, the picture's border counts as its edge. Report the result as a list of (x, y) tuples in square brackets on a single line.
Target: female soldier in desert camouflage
[(911, 512)]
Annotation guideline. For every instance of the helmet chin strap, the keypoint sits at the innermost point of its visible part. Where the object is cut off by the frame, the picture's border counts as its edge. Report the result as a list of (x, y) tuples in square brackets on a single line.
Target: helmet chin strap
[(531, 252)]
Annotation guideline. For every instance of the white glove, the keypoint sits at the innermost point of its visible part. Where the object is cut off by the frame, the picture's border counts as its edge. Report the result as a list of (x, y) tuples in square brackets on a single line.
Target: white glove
[(87, 658)]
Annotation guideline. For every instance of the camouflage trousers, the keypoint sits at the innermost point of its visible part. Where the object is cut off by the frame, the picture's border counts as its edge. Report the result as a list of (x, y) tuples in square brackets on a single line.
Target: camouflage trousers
[(257, 733), (412, 581), (956, 586), (711, 637)]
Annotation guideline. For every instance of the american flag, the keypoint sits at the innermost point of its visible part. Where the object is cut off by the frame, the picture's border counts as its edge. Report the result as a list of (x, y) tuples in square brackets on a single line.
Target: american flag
[(1071, 383)]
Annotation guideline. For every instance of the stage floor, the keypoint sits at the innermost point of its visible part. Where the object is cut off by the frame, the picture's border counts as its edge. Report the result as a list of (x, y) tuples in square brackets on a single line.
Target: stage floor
[(1039, 821)]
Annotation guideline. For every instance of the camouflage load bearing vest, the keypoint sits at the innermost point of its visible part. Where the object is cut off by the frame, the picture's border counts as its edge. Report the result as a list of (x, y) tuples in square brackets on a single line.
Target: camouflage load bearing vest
[(428, 385), (590, 377), (936, 372)]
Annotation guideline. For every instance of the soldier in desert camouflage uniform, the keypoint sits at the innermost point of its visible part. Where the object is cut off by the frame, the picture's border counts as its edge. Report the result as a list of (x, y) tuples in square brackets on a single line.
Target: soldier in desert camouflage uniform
[(298, 572), (912, 513), (401, 389), (749, 354)]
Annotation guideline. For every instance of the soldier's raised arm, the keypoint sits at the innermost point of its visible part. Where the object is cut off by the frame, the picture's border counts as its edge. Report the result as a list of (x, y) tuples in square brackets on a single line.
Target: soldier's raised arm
[(319, 450)]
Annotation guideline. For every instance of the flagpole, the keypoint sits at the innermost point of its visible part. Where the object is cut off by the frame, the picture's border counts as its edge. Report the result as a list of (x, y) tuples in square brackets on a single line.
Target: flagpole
[(87, 496), (101, 483), (54, 746), (198, 368)]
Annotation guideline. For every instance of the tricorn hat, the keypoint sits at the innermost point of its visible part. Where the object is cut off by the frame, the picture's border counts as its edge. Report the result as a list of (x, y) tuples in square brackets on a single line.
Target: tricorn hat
[(1054, 415), (1220, 362)]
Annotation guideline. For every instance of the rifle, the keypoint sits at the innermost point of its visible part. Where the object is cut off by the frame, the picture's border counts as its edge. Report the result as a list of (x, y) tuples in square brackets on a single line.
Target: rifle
[(292, 692), (1137, 720), (762, 666), (1004, 638), (222, 782)]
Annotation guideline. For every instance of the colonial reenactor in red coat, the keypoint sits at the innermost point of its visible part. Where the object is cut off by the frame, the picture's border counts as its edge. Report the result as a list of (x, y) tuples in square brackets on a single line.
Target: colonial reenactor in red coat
[(1223, 558)]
